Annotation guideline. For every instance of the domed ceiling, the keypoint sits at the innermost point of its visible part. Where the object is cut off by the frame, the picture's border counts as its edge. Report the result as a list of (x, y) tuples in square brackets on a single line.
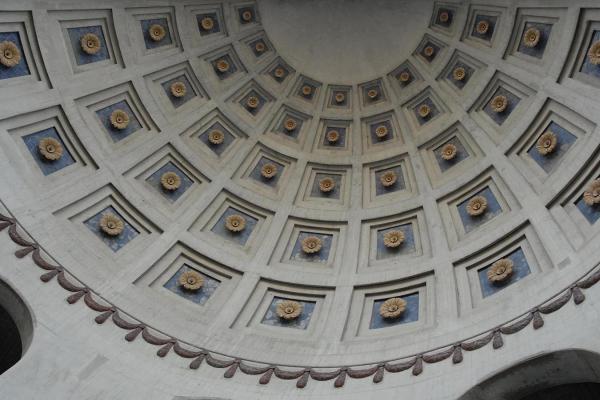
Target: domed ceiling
[(305, 190)]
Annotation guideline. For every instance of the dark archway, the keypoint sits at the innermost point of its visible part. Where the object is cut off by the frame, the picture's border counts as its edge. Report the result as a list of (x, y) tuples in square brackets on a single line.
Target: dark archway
[(16, 327), (562, 375), (579, 391)]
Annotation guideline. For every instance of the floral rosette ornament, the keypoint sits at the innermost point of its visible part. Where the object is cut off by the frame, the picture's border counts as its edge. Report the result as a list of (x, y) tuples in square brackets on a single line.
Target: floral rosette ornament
[(388, 178), (235, 223), (482, 27), (191, 280), (546, 143), (216, 136), (333, 136), (90, 43), (247, 16), (289, 309), (372, 94), (500, 271), (591, 196), (326, 185), (10, 55), (476, 206), (428, 51), (393, 239), (392, 308), (311, 245), (119, 119), (260, 47), (448, 152), (279, 72), (381, 131), (50, 149), (170, 181), (252, 102), (222, 65), (424, 110), (404, 76), (207, 23), (306, 90), (459, 73), (340, 97), (112, 225), (499, 103), (290, 124), (268, 170), (594, 53), (157, 32), (531, 37), (444, 16), (178, 89)]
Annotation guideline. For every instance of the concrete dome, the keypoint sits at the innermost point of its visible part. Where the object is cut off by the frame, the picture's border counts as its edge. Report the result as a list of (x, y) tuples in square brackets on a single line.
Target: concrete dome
[(281, 199)]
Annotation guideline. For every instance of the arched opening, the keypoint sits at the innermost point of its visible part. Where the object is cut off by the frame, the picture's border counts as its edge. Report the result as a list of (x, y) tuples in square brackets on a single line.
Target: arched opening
[(562, 375), (16, 327)]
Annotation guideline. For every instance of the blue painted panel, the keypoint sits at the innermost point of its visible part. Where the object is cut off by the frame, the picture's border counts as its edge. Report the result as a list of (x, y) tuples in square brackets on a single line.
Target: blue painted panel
[(591, 213), (468, 74), (81, 57), (237, 237), (410, 314), (537, 51), (293, 133), (271, 318), (190, 92), (445, 24), (373, 128), (513, 102), (565, 140), (218, 149), (461, 154), (334, 103), (379, 97), (22, 68), (257, 176), (256, 52), (407, 247), (411, 77), (216, 24), (199, 296), (171, 195), (151, 44), (432, 114), (312, 92), (241, 11), (398, 185), (587, 67), (114, 133), (115, 243), (490, 33), (334, 194), (226, 74), (321, 256), (520, 270), (261, 102), (472, 222), (341, 142), (48, 167), (436, 50)]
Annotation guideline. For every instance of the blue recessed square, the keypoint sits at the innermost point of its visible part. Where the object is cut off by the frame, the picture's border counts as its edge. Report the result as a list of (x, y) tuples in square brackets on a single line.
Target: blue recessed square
[(114, 133), (341, 142), (22, 67), (410, 314), (115, 243), (587, 67), (407, 247), (48, 167), (171, 195), (472, 222), (257, 175), (433, 111), (440, 21), (564, 141), (253, 110), (500, 117), (538, 50), (591, 213), (256, 47), (310, 95), (520, 270), (487, 36), (215, 23), (247, 15), (319, 257), (468, 73), (433, 55), (232, 68), (218, 149), (237, 237), (334, 194), (461, 154), (290, 133), (190, 92), (398, 185), (199, 296), (373, 129), (271, 318), (81, 57), (276, 75), (150, 43)]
